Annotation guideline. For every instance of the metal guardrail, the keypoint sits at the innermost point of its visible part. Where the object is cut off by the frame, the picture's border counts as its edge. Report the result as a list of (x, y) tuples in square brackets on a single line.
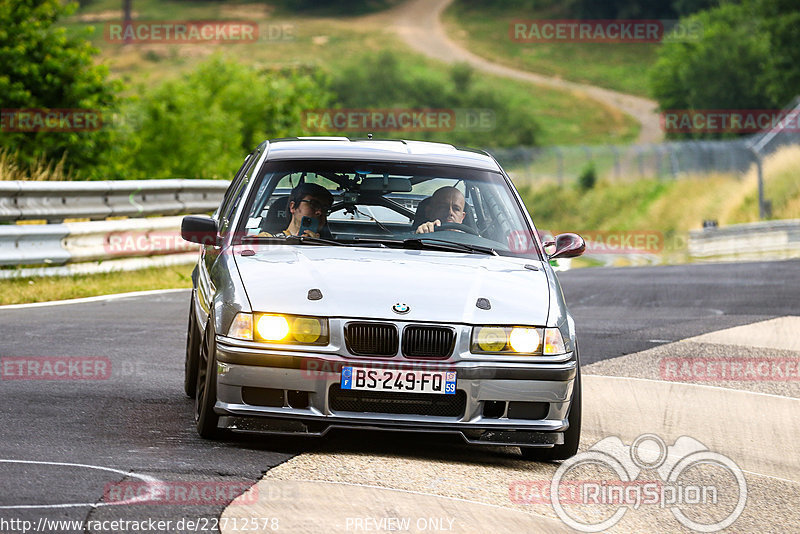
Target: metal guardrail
[(750, 241), (62, 248), (56, 201), (102, 246), (134, 243)]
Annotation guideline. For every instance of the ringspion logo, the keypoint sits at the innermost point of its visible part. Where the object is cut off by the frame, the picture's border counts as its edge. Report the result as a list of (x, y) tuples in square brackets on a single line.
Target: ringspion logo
[(690, 478)]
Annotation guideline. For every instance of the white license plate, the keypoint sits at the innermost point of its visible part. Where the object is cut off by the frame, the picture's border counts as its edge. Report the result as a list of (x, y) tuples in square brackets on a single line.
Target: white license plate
[(363, 378)]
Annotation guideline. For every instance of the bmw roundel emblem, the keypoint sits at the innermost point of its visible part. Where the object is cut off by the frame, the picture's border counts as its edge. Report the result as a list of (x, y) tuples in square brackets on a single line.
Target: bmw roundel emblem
[(401, 308)]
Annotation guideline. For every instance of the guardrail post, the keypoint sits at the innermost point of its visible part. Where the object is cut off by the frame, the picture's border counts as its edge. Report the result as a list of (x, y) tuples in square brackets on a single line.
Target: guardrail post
[(762, 208)]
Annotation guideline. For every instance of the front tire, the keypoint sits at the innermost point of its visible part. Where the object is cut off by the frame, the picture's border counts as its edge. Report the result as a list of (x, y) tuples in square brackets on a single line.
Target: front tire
[(192, 354), (206, 392), (572, 436)]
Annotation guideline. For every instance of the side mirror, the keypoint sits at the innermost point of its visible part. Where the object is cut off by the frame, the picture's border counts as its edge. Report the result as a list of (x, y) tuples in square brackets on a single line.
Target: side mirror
[(568, 246), (199, 229)]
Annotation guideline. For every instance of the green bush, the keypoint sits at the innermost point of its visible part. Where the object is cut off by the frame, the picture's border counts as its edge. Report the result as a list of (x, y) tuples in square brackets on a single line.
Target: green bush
[(42, 67), (203, 124), (746, 58), (387, 80), (588, 178)]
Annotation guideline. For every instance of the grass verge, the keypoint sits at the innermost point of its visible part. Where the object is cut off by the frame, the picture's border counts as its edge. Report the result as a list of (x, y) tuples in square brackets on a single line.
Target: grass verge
[(42, 289), (671, 207), (485, 32), (330, 44)]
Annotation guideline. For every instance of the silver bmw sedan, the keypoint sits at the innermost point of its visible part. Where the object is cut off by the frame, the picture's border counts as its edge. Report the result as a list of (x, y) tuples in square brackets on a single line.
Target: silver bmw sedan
[(381, 284)]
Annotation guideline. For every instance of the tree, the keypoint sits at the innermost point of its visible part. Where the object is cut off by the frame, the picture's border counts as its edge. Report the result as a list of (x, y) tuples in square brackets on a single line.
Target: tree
[(726, 68), (782, 70), (202, 124), (43, 68)]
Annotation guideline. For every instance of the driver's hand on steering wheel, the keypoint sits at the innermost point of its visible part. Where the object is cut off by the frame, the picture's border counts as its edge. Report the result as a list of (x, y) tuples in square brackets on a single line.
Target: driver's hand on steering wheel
[(428, 227)]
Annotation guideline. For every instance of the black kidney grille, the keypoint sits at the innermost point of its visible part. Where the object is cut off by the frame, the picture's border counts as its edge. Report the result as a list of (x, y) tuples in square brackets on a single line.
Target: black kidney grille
[(371, 339), (397, 403), (428, 341)]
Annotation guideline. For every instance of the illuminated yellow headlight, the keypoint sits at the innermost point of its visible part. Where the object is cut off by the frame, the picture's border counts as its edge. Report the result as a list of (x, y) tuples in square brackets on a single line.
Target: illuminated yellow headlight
[(272, 327), (291, 329), (524, 339), (306, 329), (509, 340), (491, 338)]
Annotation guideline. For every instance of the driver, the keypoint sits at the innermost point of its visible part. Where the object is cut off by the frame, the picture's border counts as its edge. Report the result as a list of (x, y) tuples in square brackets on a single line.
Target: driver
[(446, 205)]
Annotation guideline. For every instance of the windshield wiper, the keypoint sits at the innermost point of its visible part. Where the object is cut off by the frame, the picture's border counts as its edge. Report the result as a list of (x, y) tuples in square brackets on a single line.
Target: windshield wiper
[(431, 243), (449, 245), (294, 240), (301, 240)]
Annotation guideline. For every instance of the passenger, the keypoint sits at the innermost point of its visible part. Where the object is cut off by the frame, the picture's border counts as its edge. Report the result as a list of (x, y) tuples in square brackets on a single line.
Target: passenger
[(446, 205), (306, 200)]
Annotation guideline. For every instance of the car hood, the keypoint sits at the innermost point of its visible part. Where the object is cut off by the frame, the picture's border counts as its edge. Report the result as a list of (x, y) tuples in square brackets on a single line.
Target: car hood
[(368, 282)]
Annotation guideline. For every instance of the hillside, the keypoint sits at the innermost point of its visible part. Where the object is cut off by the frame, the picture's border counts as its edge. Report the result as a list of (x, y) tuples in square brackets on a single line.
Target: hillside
[(671, 207), (484, 31)]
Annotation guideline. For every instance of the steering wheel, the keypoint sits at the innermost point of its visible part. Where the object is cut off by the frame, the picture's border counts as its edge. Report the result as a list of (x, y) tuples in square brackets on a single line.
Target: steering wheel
[(456, 226)]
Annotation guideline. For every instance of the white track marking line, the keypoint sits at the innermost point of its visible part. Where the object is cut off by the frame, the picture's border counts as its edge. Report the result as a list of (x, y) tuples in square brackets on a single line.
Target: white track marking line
[(98, 298), (150, 481), (721, 388)]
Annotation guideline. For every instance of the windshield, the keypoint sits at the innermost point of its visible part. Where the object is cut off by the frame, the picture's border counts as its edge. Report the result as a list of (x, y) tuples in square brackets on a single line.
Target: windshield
[(426, 206)]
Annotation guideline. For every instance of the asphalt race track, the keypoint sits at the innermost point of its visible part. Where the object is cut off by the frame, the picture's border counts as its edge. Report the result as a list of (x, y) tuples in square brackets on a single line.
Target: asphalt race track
[(620, 311), (136, 424)]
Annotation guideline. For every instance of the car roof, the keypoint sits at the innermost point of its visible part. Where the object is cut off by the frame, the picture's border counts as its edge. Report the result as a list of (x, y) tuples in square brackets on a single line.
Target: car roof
[(396, 150)]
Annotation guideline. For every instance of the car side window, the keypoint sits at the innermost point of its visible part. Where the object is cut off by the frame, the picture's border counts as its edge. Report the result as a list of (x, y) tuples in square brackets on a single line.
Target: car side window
[(226, 199), (235, 192)]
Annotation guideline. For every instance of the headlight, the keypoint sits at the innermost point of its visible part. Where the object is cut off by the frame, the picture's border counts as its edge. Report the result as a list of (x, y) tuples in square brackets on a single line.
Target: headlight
[(553, 342), (272, 327), (280, 328), (242, 327), (519, 340), (506, 340)]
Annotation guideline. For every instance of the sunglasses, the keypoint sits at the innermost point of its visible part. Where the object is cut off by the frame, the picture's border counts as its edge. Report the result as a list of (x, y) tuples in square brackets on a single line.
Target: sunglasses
[(317, 205)]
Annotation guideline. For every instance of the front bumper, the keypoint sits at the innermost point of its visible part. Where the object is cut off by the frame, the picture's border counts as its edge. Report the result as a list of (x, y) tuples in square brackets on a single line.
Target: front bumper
[(500, 403)]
